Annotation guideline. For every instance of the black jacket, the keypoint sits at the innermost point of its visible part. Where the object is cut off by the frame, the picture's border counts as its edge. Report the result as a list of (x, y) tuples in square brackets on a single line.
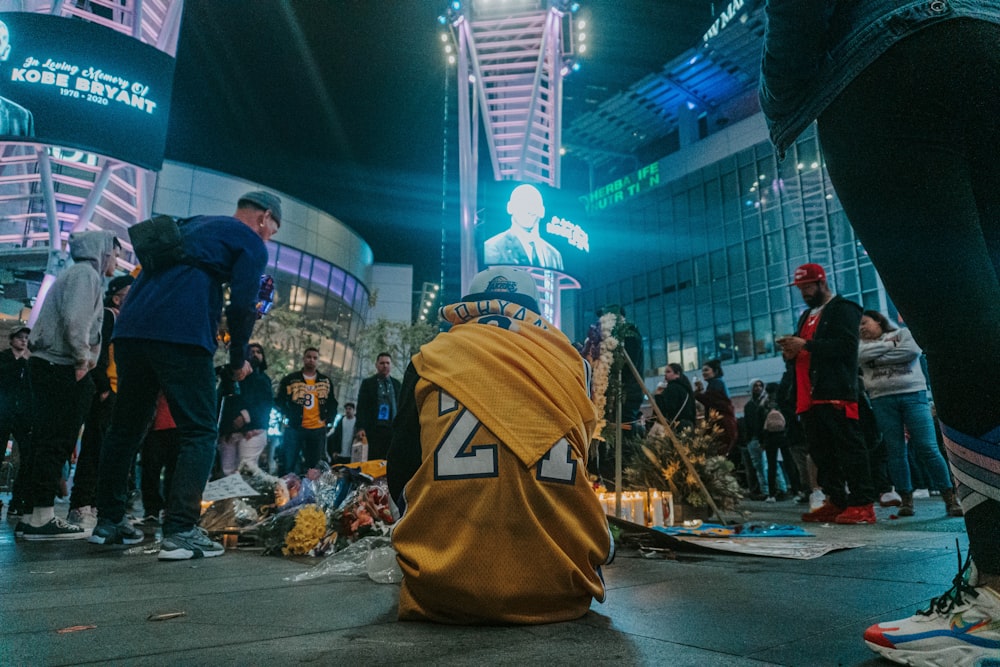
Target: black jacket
[(833, 349), (285, 399), (252, 394), (676, 402), (367, 410)]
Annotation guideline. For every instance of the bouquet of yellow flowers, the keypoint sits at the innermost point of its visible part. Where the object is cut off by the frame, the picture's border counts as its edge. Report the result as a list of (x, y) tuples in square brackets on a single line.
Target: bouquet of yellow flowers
[(309, 529)]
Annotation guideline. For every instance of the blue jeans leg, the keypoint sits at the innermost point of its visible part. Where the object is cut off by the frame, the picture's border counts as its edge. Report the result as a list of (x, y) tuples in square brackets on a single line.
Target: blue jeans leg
[(923, 440), (759, 464), (291, 447), (889, 417)]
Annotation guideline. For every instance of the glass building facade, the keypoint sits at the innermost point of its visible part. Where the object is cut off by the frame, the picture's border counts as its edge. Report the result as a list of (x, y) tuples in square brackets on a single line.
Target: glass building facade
[(320, 290), (718, 246)]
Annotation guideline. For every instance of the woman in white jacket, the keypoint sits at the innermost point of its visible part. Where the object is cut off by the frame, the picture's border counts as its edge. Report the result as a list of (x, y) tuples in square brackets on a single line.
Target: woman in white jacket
[(890, 363)]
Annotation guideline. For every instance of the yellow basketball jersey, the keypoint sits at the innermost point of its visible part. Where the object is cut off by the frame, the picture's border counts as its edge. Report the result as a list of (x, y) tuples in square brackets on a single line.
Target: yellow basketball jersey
[(489, 539)]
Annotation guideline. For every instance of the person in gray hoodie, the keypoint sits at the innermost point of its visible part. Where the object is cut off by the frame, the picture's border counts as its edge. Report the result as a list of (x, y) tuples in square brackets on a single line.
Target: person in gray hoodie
[(65, 343)]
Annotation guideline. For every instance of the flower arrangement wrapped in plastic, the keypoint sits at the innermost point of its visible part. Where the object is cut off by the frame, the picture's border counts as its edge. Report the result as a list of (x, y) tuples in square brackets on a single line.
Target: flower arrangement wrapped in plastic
[(316, 515)]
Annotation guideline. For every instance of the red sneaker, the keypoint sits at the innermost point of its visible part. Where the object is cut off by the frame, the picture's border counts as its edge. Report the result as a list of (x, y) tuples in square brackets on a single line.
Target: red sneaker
[(825, 513), (857, 514)]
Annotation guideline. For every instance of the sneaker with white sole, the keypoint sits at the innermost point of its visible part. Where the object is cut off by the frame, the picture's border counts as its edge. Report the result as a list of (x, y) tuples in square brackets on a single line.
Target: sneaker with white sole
[(961, 628), (890, 499), (123, 532), (85, 517), (816, 499), (54, 529), (194, 543)]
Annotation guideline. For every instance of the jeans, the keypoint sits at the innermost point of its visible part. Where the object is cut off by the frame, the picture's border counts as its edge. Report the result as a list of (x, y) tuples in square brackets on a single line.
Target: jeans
[(60, 405), (911, 411), (770, 477), (911, 146), (311, 442), (186, 376), (237, 448)]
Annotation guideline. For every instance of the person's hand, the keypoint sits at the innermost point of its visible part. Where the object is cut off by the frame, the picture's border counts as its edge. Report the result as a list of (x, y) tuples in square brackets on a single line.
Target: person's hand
[(699, 386), (790, 346), (239, 375)]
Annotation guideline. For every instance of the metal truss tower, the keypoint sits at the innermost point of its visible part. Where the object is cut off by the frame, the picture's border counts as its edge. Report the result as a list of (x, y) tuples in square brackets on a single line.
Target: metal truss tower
[(512, 56), (48, 192)]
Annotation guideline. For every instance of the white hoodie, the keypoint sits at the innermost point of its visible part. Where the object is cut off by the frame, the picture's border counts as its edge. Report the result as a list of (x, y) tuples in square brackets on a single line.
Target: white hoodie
[(891, 364)]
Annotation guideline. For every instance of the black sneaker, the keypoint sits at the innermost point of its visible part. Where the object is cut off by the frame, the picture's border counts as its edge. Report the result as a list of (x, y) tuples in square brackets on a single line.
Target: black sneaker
[(19, 529), (194, 543), (55, 529), (122, 532)]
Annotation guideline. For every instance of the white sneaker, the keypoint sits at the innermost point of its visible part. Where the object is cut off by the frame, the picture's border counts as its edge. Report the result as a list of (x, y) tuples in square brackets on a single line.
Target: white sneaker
[(771, 499), (890, 499), (816, 499), (85, 517), (921, 493), (959, 628)]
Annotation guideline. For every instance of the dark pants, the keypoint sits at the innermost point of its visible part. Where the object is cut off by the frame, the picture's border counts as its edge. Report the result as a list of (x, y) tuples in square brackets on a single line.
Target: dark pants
[(94, 429), (840, 455), (17, 426), (912, 147), (773, 443), (186, 376), (310, 442), (159, 460), (60, 405), (379, 439)]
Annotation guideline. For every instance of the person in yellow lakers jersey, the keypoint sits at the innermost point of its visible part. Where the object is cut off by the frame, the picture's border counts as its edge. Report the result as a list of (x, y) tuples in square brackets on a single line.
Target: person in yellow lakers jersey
[(487, 463), (307, 400)]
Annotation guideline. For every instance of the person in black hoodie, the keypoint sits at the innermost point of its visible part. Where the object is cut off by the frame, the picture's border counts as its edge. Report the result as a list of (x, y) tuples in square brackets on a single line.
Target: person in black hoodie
[(244, 414), (676, 399)]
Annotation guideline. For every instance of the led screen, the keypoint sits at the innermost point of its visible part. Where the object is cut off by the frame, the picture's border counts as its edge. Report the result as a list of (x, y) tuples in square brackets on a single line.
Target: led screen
[(529, 224), (72, 83)]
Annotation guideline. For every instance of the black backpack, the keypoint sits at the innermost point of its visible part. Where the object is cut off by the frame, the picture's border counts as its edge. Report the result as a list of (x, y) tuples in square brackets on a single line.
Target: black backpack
[(158, 243)]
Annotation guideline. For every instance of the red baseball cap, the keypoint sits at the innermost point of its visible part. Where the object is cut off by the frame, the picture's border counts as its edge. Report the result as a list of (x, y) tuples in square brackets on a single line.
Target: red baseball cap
[(808, 273)]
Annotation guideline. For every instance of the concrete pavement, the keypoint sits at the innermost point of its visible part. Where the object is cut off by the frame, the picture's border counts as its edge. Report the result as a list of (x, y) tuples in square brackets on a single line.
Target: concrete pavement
[(697, 608)]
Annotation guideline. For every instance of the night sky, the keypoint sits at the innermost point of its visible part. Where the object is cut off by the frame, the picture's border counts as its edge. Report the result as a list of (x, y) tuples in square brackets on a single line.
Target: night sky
[(340, 103)]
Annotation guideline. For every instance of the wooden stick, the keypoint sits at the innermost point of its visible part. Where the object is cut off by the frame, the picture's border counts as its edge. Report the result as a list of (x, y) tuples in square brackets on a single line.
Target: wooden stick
[(618, 447), (681, 448)]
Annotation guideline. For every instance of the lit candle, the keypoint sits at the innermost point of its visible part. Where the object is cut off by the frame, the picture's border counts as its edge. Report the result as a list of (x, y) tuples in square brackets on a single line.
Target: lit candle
[(656, 504), (669, 499)]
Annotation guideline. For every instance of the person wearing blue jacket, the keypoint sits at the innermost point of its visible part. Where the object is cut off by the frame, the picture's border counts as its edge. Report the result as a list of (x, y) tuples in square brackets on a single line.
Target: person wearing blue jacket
[(164, 341), (907, 97)]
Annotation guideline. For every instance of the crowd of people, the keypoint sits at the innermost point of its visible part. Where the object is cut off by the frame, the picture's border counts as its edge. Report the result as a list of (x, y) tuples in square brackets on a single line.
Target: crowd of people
[(132, 364), (904, 95)]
